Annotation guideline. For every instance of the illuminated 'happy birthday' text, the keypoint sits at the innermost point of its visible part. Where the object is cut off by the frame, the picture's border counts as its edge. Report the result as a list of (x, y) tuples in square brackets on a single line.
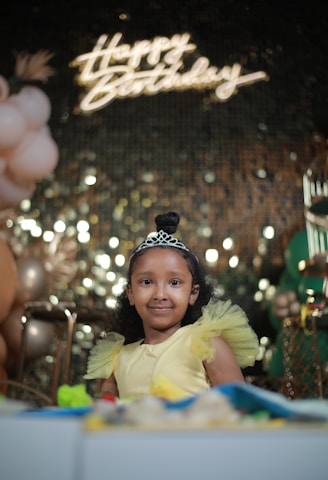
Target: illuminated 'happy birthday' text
[(113, 70)]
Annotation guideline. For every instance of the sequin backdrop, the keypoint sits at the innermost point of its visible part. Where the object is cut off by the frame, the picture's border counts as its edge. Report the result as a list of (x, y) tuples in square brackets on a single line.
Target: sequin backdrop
[(230, 169)]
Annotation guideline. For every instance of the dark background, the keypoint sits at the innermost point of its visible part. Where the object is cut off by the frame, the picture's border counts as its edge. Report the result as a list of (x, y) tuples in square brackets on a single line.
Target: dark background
[(253, 148)]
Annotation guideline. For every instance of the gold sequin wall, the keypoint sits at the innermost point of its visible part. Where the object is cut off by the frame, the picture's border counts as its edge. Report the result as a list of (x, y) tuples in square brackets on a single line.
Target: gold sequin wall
[(233, 169)]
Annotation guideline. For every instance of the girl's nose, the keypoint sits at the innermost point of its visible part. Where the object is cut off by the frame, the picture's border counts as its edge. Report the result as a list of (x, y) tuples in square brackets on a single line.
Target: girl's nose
[(160, 291)]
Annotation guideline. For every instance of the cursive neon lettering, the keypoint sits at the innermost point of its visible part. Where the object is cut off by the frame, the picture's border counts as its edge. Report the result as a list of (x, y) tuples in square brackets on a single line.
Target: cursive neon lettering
[(115, 70)]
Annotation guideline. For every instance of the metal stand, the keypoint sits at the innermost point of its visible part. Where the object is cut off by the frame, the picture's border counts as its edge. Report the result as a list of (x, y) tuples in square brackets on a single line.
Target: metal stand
[(64, 316)]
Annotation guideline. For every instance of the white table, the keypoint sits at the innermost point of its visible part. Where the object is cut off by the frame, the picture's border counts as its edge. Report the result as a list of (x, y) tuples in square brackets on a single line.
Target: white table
[(296, 454), (37, 448), (58, 448)]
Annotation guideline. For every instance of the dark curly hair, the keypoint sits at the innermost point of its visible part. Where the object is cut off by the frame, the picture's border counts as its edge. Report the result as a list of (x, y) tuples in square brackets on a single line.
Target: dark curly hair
[(126, 318)]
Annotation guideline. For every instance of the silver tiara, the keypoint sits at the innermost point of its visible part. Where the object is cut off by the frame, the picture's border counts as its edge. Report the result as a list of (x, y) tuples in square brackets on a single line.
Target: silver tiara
[(161, 239)]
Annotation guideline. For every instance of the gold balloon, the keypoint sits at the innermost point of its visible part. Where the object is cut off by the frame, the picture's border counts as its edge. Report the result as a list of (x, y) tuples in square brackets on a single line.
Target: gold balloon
[(39, 335), (8, 279), (31, 280)]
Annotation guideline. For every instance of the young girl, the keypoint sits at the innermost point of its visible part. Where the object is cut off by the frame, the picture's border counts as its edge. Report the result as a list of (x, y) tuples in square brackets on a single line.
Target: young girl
[(171, 338)]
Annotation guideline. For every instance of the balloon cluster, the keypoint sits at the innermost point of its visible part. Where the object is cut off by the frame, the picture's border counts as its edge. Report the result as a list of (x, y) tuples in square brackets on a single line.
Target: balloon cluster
[(21, 281), (28, 152)]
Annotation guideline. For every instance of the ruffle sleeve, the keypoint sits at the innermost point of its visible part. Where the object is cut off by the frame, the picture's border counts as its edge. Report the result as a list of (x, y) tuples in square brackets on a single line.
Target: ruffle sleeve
[(228, 321), (102, 357)]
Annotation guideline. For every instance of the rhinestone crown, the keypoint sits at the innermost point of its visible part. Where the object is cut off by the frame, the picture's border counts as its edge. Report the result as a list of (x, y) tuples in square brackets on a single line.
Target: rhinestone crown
[(161, 239)]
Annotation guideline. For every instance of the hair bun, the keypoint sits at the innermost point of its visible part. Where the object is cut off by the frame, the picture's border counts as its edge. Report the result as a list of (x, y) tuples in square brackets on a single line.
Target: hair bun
[(167, 222)]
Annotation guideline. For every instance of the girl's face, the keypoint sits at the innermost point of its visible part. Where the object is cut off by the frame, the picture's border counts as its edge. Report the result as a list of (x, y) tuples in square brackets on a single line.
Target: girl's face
[(161, 289)]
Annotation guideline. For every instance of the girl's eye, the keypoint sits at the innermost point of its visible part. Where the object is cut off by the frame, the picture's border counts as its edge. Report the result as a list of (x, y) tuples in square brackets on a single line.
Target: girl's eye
[(175, 282), (145, 281)]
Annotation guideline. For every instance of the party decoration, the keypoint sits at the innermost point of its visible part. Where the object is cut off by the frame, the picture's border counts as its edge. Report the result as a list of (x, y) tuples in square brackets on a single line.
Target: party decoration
[(8, 216), (35, 157), (13, 125), (56, 261), (31, 67), (3, 351), (8, 279), (36, 269), (12, 193), (31, 279), (39, 335), (59, 259), (297, 250), (2, 165), (114, 70), (73, 396), (309, 283), (28, 152), (34, 104), (11, 330), (3, 378), (4, 88)]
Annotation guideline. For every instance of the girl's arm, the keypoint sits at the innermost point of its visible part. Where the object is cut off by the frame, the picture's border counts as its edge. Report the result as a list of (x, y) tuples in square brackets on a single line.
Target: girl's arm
[(109, 386), (224, 367)]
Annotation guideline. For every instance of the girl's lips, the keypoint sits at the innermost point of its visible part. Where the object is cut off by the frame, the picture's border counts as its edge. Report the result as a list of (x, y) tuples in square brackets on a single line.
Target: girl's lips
[(160, 309)]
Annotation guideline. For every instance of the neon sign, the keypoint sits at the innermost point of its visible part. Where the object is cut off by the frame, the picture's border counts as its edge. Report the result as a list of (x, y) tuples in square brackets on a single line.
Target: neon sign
[(114, 70)]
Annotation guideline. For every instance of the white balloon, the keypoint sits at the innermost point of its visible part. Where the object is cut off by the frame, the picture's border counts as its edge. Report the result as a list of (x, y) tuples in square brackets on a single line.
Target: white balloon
[(34, 104), (13, 125), (12, 194), (35, 157)]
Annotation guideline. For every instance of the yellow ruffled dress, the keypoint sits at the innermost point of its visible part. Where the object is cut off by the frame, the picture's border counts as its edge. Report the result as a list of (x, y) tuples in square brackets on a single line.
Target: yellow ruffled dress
[(174, 368)]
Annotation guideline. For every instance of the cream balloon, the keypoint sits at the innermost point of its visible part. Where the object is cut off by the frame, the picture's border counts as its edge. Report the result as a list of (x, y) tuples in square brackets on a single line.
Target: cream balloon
[(34, 104), (32, 280), (35, 157), (12, 194), (13, 125), (4, 89), (8, 279)]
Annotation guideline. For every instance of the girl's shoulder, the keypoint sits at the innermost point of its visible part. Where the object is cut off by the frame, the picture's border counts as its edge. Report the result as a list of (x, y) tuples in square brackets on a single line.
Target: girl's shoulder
[(102, 357), (228, 321), (221, 313)]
